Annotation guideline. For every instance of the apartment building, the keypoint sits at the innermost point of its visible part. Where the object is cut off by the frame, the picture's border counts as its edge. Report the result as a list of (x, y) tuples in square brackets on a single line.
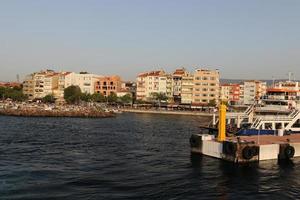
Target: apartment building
[(58, 90), (241, 97), (141, 86), (253, 91), (84, 80), (39, 84), (50, 83), (153, 82), (230, 93), (108, 85), (177, 83), (28, 86), (206, 86), (187, 85)]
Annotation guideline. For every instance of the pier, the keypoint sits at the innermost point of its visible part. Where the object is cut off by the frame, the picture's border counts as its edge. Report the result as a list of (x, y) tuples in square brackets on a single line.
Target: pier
[(253, 148)]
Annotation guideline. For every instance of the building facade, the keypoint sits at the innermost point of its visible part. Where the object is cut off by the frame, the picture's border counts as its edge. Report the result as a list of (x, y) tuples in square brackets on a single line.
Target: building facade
[(253, 91), (206, 86), (187, 85), (108, 85), (177, 83), (28, 86), (230, 93), (153, 82), (84, 80)]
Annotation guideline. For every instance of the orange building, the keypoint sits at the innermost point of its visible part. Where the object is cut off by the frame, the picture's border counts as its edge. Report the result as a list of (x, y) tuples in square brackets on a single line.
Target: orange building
[(107, 85)]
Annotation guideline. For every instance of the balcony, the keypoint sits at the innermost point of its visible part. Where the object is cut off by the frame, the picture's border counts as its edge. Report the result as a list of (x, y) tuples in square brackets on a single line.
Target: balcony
[(278, 97)]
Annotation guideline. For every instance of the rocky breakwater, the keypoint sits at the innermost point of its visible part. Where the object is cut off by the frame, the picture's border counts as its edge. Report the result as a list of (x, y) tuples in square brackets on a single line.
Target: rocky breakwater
[(66, 111)]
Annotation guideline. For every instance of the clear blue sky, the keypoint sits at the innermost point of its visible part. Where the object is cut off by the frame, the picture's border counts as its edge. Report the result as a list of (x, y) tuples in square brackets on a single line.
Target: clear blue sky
[(244, 39)]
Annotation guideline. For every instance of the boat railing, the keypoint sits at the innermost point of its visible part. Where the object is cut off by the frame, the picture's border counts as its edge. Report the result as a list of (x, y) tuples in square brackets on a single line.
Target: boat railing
[(249, 109), (256, 122)]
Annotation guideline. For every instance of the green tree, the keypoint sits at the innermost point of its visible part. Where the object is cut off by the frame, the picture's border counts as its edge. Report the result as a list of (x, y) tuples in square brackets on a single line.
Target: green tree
[(139, 101), (49, 99), (212, 103), (13, 93), (97, 97), (72, 94), (2, 92), (159, 97), (126, 99), (85, 97), (112, 98)]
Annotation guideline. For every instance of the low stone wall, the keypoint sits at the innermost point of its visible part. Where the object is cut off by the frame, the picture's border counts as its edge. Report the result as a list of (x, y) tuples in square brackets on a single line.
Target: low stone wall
[(88, 113), (169, 112)]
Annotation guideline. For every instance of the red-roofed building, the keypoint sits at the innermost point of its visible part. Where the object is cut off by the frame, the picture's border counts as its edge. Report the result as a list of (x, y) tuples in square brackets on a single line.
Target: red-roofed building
[(177, 83), (153, 82), (230, 92)]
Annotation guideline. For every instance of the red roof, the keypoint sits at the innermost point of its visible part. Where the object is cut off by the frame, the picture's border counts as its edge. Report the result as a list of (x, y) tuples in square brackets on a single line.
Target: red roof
[(152, 73), (281, 90), (10, 84), (179, 72)]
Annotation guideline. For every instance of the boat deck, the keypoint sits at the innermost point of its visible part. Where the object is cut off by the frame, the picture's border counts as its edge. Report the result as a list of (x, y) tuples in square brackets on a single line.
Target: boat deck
[(268, 139)]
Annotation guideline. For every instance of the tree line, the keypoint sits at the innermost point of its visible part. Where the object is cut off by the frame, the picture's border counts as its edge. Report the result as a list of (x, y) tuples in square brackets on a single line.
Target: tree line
[(74, 95), (15, 94)]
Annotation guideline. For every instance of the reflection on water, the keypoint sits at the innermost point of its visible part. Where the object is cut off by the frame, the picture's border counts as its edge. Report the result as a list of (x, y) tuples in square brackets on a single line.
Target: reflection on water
[(130, 157)]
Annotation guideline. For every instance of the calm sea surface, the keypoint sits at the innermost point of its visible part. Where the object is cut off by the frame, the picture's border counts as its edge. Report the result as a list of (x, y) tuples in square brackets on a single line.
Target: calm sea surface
[(129, 157)]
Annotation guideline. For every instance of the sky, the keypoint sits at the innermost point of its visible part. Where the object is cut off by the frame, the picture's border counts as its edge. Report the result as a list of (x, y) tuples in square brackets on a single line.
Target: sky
[(257, 39)]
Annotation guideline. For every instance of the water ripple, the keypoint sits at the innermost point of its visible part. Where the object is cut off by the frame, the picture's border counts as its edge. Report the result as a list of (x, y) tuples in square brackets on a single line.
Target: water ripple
[(130, 157)]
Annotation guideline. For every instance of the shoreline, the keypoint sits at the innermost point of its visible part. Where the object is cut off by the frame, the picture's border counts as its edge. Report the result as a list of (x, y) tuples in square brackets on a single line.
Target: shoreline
[(167, 112), (46, 113), (43, 110)]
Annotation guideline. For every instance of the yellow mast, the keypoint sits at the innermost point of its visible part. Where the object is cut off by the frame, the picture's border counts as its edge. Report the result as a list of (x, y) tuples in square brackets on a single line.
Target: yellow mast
[(222, 122)]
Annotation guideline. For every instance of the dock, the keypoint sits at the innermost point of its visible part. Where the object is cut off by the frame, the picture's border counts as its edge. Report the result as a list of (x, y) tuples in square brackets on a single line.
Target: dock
[(246, 149), (281, 144)]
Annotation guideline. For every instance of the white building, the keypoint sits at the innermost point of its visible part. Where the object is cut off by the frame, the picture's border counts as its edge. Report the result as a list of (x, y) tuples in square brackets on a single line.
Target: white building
[(85, 81), (153, 82), (253, 91)]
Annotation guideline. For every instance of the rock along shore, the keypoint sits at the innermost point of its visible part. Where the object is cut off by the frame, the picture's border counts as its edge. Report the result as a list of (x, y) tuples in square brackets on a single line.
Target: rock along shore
[(56, 113), (46, 111)]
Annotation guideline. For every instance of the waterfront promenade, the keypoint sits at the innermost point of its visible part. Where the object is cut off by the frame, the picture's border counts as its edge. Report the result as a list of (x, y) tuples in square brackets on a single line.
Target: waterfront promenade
[(167, 112)]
